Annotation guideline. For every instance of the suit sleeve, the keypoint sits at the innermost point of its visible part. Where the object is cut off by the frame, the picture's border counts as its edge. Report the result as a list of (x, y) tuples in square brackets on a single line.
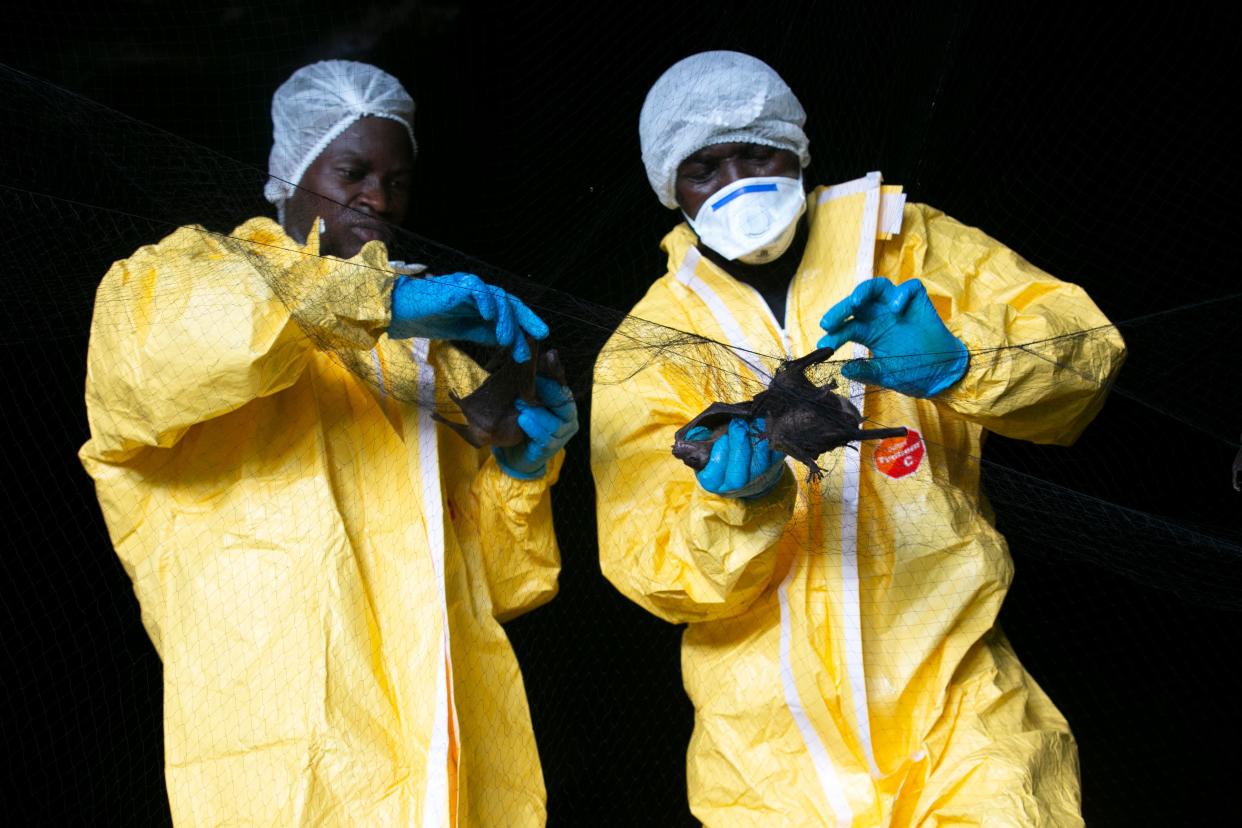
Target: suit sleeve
[(680, 552), (521, 558), (199, 324), (1042, 354), (506, 524)]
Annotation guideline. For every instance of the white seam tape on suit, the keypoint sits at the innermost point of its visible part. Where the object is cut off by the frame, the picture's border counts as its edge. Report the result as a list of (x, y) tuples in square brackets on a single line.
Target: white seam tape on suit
[(851, 631), (436, 812), (869, 181), (379, 372), (828, 781), (891, 212), (732, 330)]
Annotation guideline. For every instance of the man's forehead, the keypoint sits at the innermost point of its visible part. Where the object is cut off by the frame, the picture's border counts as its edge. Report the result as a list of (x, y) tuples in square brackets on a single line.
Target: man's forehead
[(716, 151)]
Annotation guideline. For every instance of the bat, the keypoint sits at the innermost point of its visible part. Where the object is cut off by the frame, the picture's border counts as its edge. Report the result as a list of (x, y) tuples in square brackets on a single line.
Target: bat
[(801, 419), (490, 410)]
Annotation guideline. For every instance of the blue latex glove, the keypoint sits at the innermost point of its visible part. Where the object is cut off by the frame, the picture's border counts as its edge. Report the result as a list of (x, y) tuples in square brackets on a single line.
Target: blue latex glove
[(741, 464), (912, 352), (548, 427), (463, 306)]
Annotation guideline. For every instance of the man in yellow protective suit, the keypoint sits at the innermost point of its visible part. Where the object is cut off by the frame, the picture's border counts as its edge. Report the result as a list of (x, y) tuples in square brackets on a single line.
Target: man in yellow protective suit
[(841, 647), (321, 566)]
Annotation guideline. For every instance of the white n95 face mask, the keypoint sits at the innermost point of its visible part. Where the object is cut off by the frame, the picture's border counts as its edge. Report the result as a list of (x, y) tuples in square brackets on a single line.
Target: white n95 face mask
[(752, 220)]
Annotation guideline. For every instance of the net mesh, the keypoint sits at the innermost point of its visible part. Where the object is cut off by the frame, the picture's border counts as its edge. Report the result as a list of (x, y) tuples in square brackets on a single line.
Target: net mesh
[(123, 126)]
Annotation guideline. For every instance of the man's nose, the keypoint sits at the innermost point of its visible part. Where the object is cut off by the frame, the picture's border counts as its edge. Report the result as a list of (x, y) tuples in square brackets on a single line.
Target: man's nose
[(732, 169), (374, 195)]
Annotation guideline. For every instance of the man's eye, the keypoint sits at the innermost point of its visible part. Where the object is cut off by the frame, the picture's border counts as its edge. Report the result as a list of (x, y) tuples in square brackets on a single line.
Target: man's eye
[(699, 174), (351, 173)]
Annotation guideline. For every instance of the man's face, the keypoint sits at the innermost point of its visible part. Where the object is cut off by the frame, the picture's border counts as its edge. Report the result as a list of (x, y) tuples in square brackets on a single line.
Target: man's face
[(359, 186), (719, 165)]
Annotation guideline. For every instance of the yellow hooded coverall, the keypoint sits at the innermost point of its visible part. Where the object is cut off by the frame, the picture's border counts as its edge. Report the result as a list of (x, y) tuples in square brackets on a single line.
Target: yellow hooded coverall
[(841, 649), (322, 568)]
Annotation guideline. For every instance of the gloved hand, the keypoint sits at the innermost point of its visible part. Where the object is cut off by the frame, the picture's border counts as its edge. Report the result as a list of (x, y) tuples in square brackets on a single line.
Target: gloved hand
[(463, 306), (742, 464), (912, 351), (548, 427)]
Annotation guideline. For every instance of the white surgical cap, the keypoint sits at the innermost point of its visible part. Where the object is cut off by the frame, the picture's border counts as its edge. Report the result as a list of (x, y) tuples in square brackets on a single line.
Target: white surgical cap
[(318, 103), (716, 98)]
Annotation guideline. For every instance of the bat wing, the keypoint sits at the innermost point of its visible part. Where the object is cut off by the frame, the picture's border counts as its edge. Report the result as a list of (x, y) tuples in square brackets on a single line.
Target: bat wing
[(714, 416), (549, 364), (464, 431)]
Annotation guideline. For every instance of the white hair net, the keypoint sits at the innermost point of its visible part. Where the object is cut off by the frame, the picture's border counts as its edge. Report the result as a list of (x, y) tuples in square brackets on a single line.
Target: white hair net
[(318, 103), (716, 98)]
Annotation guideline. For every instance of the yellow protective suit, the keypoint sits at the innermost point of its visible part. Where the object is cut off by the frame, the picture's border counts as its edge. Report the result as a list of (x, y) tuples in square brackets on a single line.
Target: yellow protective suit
[(322, 569), (841, 649)]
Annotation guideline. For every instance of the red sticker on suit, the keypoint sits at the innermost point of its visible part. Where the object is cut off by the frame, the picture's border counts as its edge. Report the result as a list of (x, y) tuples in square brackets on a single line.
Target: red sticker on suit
[(899, 456)]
